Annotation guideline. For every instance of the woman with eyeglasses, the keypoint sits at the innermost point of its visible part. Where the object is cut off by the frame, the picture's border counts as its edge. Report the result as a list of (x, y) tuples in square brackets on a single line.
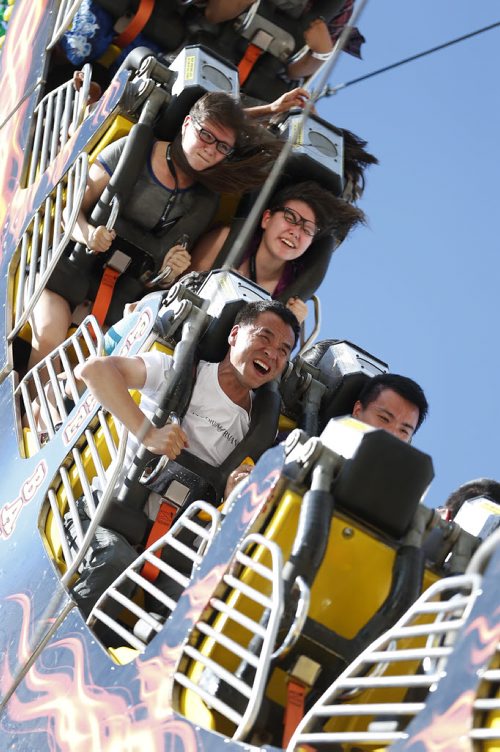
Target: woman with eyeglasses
[(218, 149), (281, 249)]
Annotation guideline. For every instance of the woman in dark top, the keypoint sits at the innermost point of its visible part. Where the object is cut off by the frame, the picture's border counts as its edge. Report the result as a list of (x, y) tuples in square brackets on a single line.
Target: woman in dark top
[(218, 149)]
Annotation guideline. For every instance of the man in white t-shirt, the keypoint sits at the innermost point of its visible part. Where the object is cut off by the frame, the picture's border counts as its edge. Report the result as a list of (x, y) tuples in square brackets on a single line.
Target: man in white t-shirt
[(217, 419)]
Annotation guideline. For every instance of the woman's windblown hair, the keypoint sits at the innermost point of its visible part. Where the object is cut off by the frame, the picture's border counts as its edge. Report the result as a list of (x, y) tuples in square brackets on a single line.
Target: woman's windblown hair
[(334, 216), (255, 148)]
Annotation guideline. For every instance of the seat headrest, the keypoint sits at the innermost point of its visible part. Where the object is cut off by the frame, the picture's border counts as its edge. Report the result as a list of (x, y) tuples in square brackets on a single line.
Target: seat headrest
[(226, 292), (199, 71), (344, 368), (384, 482)]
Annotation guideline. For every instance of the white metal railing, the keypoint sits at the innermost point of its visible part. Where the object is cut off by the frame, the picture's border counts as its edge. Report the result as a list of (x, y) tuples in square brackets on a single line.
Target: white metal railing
[(56, 118), (73, 486), (390, 663), (45, 390), (44, 241), (67, 10), (51, 404), (487, 705), (237, 694), (178, 558)]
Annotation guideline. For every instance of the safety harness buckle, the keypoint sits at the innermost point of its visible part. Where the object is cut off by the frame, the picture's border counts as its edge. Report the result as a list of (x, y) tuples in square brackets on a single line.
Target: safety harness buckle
[(119, 262)]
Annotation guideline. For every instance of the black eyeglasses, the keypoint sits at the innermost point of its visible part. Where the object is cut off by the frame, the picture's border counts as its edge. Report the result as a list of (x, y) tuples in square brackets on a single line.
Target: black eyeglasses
[(294, 218), (208, 138)]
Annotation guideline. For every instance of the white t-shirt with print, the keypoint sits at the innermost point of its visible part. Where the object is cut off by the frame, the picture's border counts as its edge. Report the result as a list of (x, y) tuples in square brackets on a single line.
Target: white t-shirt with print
[(214, 424)]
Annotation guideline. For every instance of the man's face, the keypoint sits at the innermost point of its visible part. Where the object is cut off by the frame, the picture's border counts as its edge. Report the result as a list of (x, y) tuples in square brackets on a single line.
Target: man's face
[(282, 239), (259, 351), (391, 412)]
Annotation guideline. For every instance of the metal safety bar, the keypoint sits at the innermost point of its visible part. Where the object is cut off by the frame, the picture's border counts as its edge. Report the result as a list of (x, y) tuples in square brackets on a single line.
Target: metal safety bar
[(307, 342), (45, 239), (50, 400), (426, 633), (486, 715), (233, 694), (169, 585)]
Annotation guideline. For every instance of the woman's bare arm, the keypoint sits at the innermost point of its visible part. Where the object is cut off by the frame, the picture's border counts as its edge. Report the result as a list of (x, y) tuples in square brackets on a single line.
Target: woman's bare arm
[(207, 249), (294, 98), (109, 379), (96, 238)]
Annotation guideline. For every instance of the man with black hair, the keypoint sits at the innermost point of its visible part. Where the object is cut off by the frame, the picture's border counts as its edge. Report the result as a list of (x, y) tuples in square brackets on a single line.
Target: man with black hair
[(392, 402), (218, 415), (217, 419), (480, 487)]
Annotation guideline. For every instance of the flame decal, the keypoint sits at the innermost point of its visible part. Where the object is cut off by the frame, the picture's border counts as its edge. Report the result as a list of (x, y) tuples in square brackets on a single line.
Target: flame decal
[(20, 46), (23, 649), (447, 732), (256, 498), (75, 714), (73, 698), (486, 635)]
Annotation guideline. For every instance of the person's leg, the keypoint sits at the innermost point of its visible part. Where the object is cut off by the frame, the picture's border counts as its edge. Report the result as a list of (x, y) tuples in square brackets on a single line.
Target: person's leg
[(108, 555), (49, 324)]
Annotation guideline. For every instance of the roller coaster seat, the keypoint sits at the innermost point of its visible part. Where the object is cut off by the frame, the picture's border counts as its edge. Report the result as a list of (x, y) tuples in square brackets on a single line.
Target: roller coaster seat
[(330, 376), (228, 292), (367, 576), (275, 30), (204, 481), (327, 379), (362, 488), (312, 267), (262, 40)]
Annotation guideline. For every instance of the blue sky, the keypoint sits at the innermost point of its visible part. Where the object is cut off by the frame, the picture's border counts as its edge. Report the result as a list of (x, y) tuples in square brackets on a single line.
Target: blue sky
[(419, 286)]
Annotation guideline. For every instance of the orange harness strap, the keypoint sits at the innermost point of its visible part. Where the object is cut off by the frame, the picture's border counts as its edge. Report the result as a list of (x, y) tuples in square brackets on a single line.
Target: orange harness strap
[(294, 711), (117, 264), (104, 294), (161, 525), (136, 25), (247, 62)]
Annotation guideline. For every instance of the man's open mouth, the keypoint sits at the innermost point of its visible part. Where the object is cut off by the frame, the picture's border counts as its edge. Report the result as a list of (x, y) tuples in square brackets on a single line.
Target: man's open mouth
[(261, 367)]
